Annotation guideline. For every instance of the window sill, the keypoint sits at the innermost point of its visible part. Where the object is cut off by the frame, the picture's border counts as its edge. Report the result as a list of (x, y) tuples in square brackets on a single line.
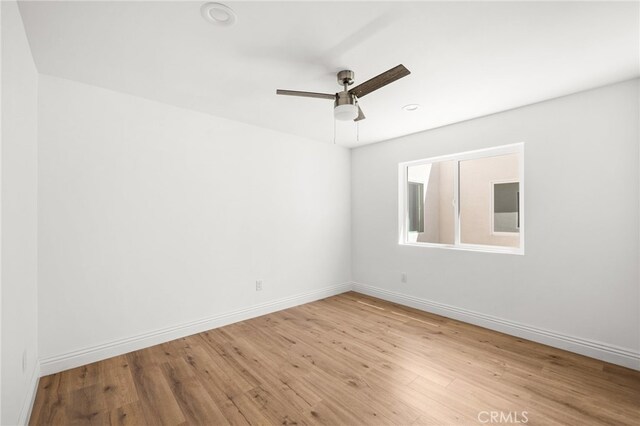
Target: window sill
[(469, 247)]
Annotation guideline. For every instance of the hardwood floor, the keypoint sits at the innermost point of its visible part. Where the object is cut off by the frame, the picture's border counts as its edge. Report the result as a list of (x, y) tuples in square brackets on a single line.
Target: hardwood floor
[(346, 360)]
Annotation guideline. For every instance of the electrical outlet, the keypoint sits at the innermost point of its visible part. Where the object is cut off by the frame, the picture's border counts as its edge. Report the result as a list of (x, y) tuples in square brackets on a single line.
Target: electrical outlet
[(24, 360), (259, 285), (403, 277)]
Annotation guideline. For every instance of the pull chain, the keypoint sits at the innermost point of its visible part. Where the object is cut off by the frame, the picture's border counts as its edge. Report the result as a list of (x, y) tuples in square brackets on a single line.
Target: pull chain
[(334, 131)]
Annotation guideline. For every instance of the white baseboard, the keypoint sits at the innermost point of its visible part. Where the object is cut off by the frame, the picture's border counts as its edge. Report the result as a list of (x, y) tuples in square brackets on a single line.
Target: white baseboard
[(55, 364), (610, 353), (30, 397), (602, 351)]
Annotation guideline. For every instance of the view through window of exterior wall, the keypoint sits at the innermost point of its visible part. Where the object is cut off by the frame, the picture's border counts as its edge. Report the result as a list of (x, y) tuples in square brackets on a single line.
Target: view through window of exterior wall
[(472, 200)]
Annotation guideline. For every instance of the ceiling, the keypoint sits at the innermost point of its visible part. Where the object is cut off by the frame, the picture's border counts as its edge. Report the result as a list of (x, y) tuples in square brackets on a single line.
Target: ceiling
[(467, 59)]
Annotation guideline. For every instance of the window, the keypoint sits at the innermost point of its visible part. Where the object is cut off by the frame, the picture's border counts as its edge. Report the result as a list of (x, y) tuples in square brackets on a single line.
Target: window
[(472, 201)]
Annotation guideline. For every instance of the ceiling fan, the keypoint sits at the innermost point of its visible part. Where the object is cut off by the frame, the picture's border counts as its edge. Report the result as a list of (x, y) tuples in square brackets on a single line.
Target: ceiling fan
[(346, 102)]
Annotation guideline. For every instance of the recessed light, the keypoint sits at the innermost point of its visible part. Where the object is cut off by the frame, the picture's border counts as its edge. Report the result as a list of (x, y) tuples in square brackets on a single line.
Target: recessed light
[(218, 14), (411, 107)]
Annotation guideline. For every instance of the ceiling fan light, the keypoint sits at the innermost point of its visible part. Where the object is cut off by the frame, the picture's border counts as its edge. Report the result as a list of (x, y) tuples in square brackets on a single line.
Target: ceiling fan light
[(346, 112)]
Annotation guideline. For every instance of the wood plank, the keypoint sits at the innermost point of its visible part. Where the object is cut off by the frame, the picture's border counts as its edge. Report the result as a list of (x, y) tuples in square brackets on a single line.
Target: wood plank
[(158, 402), (195, 403)]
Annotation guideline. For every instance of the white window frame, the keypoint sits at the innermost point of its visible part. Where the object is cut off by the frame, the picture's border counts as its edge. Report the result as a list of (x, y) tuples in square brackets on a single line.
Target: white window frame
[(403, 217)]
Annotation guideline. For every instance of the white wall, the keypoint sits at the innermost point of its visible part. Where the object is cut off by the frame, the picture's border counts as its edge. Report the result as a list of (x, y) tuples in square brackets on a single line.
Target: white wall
[(579, 277), (152, 216), (18, 260)]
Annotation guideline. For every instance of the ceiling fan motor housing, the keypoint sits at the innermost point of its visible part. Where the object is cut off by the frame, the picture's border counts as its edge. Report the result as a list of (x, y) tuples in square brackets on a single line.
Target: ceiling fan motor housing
[(344, 98)]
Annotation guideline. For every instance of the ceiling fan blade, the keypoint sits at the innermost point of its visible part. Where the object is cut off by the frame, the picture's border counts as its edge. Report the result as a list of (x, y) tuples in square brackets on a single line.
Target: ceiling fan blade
[(306, 94), (360, 116), (379, 81)]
